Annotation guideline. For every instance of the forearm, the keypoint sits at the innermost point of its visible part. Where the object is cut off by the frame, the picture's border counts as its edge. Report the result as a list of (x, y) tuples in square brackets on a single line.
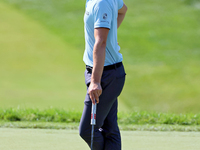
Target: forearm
[(98, 61)]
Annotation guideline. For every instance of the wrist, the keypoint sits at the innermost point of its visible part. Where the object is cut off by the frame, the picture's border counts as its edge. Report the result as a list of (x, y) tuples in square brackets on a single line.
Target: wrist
[(93, 81), (96, 76)]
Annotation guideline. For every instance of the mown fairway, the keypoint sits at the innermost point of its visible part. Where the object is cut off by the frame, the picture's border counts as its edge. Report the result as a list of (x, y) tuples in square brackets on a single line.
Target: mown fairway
[(42, 43), (36, 69), (32, 139)]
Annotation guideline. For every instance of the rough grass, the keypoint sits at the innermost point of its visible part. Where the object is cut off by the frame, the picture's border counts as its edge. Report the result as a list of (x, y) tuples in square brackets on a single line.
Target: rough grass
[(62, 116), (62, 119)]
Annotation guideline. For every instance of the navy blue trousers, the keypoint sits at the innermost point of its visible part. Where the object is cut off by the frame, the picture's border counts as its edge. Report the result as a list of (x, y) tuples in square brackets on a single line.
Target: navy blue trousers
[(106, 132)]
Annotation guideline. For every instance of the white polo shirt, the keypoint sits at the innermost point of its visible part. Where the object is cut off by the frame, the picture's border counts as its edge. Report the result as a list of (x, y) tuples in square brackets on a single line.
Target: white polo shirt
[(102, 13)]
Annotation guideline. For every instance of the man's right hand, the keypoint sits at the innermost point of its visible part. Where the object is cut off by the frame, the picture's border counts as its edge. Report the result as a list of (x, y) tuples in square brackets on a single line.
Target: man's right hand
[(95, 91)]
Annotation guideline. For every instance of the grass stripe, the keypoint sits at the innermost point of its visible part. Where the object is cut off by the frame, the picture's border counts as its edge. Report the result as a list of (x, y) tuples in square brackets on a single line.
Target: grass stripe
[(64, 116), (74, 126)]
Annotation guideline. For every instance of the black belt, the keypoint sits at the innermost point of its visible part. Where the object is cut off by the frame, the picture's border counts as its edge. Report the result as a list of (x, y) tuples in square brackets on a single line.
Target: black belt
[(110, 67)]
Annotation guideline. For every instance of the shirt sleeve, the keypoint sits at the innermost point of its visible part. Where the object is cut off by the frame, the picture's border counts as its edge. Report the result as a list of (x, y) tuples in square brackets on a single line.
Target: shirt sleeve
[(120, 4), (102, 15)]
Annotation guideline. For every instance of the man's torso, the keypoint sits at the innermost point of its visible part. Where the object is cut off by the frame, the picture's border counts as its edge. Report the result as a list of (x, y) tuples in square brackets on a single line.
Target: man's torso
[(102, 14)]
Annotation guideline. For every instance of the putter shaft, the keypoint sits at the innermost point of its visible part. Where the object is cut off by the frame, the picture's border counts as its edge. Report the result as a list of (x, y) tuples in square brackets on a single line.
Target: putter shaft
[(92, 137), (93, 122)]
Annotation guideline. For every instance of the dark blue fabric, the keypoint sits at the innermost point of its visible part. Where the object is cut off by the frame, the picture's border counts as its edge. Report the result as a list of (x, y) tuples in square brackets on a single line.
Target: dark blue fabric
[(107, 134)]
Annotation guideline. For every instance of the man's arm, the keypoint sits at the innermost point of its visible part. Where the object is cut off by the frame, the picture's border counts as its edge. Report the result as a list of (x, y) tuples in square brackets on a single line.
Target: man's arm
[(99, 49), (121, 15)]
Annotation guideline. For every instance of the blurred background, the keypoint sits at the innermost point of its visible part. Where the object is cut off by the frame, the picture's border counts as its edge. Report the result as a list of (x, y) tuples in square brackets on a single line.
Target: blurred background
[(42, 45)]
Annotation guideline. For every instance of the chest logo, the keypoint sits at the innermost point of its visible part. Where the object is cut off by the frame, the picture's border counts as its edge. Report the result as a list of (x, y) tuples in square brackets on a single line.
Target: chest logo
[(87, 13)]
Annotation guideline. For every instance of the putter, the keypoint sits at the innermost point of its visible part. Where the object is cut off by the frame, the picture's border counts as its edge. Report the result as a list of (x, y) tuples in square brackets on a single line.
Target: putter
[(93, 122)]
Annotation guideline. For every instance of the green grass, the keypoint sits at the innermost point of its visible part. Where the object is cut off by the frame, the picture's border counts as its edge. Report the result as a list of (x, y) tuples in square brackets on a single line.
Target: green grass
[(74, 126), (36, 68), (62, 116), (163, 70), (62, 119), (42, 139), (43, 42)]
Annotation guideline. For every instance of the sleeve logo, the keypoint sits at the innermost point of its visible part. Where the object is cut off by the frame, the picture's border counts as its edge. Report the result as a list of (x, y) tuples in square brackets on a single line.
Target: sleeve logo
[(105, 16)]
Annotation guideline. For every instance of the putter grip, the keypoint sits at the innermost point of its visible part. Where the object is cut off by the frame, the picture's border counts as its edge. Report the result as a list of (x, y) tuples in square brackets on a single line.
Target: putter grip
[(93, 114)]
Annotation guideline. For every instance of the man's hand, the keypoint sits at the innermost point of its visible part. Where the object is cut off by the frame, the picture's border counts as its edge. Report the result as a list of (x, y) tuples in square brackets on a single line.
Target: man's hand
[(95, 91)]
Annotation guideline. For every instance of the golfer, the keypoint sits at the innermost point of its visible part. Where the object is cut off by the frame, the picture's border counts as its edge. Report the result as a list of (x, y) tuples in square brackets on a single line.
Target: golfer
[(104, 74)]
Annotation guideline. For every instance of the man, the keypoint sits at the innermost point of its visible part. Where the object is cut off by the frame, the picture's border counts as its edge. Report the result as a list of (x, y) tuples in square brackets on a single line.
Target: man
[(104, 74)]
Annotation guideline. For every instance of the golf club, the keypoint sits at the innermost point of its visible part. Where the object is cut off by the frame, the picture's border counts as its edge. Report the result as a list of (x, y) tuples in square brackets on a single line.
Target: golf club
[(93, 122)]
